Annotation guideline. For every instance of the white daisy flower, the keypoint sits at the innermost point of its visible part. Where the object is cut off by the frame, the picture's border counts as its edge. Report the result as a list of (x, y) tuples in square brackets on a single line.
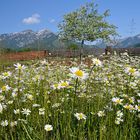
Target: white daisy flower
[(117, 100), (41, 111), (16, 111), (6, 75), (80, 116), (4, 123), (18, 66), (77, 73), (96, 62), (26, 111), (14, 123), (101, 113), (5, 88), (44, 62), (48, 127), (132, 71), (63, 84), (128, 106)]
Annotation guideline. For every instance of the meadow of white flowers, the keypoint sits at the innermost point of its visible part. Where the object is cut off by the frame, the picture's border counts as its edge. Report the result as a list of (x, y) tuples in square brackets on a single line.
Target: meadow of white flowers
[(54, 101)]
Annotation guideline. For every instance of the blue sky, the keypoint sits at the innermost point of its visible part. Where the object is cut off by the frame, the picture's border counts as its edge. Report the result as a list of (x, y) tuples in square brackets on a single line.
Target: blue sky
[(18, 15)]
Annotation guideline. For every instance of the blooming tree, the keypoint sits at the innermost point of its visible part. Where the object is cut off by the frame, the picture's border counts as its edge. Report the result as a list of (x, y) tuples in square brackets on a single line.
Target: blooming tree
[(86, 24)]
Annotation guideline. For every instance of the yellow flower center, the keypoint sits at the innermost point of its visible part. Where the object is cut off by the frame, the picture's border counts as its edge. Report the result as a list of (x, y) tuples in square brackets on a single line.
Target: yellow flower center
[(19, 67), (6, 74), (79, 73), (129, 107), (64, 84), (55, 85), (80, 116), (97, 62), (132, 70), (131, 100), (118, 101), (3, 88), (48, 129)]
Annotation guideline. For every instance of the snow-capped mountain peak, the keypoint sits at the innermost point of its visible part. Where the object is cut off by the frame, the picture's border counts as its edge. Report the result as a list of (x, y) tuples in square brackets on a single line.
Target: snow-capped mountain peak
[(20, 39)]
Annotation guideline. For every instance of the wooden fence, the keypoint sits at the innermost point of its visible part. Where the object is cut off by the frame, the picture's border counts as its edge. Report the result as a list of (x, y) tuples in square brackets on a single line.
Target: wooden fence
[(63, 53), (24, 55)]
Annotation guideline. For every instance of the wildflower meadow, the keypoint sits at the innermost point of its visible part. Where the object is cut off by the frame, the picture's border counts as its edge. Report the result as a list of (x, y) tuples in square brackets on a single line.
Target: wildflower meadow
[(54, 100)]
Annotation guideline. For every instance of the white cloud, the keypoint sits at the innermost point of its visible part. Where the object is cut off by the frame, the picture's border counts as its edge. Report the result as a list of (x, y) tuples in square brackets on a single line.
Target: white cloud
[(52, 21), (34, 19)]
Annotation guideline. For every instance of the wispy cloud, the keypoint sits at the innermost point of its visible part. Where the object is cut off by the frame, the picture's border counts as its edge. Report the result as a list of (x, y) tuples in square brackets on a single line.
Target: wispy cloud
[(52, 20), (34, 19)]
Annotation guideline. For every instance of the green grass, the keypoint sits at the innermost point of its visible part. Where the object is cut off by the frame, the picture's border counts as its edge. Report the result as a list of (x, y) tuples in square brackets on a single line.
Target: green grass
[(45, 84)]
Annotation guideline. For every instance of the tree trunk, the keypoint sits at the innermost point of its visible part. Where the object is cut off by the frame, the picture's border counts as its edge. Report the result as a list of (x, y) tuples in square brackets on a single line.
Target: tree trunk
[(81, 50)]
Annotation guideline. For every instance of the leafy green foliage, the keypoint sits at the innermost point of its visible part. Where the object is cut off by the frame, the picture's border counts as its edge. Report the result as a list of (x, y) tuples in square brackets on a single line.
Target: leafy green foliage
[(73, 46)]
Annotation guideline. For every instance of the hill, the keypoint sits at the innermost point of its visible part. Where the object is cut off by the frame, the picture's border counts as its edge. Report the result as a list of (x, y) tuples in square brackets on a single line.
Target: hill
[(28, 39), (128, 42), (44, 39)]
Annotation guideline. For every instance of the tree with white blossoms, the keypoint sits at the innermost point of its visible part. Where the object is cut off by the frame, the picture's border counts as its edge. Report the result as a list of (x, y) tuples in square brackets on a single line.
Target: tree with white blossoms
[(86, 24)]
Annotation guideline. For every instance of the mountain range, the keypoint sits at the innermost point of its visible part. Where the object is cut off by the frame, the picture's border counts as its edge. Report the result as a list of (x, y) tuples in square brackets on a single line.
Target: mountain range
[(45, 39), (127, 42), (42, 39), (133, 41)]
